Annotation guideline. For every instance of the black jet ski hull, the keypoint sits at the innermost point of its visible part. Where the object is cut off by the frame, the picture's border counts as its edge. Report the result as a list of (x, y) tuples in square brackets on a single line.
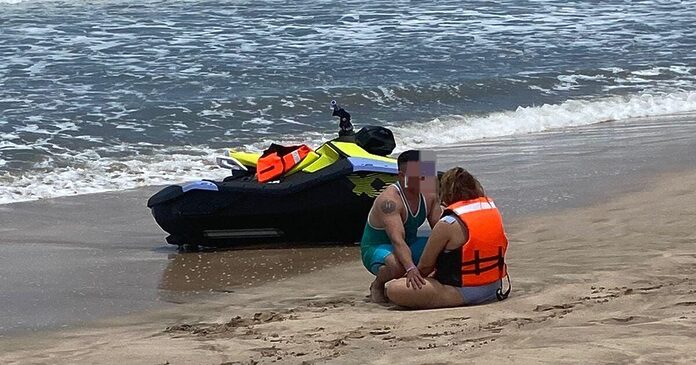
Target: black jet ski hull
[(330, 206)]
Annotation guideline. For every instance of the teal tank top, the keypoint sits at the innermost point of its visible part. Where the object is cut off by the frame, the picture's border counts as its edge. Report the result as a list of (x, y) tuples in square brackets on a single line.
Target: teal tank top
[(378, 236)]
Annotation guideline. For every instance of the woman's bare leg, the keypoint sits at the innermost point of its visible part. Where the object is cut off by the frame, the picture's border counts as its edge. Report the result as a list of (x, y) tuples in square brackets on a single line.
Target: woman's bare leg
[(431, 295)]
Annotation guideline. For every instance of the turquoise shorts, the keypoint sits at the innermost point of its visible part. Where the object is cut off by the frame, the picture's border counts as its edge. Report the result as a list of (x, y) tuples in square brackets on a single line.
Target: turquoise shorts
[(374, 256)]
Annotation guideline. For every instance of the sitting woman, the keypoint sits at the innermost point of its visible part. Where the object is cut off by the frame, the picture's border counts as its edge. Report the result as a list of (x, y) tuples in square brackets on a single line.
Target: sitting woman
[(466, 251)]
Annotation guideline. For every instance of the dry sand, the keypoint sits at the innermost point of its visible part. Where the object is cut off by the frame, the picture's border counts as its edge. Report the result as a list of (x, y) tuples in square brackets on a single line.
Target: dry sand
[(612, 283)]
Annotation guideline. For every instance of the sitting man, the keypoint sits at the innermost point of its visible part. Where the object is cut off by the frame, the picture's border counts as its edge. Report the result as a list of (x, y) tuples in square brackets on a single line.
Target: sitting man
[(390, 246)]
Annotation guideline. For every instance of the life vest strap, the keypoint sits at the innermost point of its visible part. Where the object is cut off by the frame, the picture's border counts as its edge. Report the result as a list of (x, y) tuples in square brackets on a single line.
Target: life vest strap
[(478, 259), (479, 270), (499, 262), (501, 259)]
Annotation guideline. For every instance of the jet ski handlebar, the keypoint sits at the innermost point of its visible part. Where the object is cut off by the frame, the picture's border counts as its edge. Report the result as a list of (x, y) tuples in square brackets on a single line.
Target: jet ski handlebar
[(346, 127)]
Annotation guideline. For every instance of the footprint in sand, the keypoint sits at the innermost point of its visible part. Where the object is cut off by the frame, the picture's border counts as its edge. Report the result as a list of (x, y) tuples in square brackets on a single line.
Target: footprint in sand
[(230, 327), (685, 304), (548, 307), (332, 302), (629, 320), (380, 331)]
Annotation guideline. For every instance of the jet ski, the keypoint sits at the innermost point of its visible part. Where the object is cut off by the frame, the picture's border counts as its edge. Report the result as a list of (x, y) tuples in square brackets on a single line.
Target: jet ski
[(324, 198)]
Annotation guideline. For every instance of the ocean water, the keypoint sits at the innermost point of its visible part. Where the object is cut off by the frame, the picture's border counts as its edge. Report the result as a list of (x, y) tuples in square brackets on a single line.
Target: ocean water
[(115, 94)]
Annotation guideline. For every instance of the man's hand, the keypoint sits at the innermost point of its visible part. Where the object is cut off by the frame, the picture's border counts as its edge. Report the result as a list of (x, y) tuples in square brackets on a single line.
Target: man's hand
[(413, 278)]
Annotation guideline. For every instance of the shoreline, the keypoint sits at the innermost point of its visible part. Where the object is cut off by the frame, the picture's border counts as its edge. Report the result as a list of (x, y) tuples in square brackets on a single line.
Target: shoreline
[(71, 260), (678, 123), (566, 278)]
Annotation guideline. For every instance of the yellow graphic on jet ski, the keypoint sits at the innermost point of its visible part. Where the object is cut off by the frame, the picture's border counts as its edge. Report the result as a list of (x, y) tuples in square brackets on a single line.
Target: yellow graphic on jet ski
[(371, 184)]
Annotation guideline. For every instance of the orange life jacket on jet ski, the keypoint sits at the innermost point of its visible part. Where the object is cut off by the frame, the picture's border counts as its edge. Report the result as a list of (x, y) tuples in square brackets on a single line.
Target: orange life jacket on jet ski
[(480, 260), (278, 160)]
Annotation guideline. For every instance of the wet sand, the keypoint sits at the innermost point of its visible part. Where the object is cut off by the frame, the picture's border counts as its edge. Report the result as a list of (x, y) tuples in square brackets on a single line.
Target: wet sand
[(70, 260), (73, 260), (221, 271)]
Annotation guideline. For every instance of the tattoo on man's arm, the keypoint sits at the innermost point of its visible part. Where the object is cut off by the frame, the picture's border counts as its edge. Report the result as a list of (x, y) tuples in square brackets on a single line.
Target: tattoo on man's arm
[(388, 207)]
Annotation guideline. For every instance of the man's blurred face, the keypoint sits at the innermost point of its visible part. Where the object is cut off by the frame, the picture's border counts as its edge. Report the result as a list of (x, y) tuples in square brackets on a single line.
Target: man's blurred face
[(420, 176)]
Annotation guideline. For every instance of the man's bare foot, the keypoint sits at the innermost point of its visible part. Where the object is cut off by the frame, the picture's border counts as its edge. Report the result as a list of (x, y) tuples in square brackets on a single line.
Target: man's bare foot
[(377, 293)]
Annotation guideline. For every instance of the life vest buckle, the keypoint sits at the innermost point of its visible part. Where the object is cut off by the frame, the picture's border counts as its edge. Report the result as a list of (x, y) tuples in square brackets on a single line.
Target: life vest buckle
[(503, 295)]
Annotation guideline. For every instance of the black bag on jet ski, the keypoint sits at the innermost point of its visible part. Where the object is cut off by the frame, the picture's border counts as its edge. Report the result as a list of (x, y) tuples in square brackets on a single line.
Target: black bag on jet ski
[(376, 140)]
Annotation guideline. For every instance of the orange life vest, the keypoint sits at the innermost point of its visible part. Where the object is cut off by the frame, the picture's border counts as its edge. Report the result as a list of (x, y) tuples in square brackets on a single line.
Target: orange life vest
[(480, 260), (278, 160)]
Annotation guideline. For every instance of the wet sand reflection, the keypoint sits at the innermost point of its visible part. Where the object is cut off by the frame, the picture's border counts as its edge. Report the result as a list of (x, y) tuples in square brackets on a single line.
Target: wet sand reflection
[(224, 271)]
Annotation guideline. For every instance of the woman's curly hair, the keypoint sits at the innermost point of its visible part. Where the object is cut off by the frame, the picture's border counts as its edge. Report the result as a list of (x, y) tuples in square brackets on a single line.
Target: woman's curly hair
[(457, 184)]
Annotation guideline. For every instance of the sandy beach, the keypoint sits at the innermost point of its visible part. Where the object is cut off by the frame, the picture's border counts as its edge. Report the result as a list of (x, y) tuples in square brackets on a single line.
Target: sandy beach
[(610, 283)]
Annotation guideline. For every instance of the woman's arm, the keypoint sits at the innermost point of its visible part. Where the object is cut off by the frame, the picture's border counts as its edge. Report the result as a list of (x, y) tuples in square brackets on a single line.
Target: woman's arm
[(435, 212), (437, 242)]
